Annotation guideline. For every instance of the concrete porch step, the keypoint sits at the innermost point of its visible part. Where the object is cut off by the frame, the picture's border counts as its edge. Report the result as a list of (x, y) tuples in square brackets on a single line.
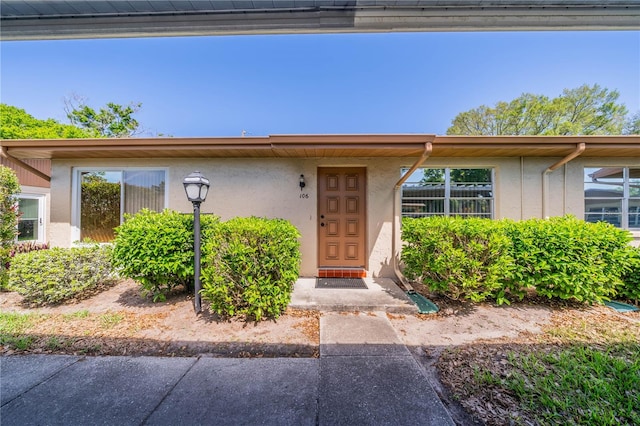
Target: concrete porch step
[(382, 294)]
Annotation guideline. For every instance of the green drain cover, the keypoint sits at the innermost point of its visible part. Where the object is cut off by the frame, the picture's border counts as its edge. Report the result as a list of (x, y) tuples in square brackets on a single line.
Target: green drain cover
[(621, 307), (425, 306)]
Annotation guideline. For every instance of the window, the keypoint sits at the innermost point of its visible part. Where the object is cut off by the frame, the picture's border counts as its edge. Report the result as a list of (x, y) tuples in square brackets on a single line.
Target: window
[(31, 221), (612, 194), (106, 195), (448, 192)]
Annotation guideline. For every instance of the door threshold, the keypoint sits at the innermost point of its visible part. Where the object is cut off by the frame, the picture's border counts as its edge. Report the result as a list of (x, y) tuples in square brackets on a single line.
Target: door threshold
[(338, 272)]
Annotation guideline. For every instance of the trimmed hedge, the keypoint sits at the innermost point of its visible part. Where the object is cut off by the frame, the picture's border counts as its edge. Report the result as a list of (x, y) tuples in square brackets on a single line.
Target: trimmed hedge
[(568, 258), (630, 290), (478, 259), (460, 258), (156, 249), (58, 274), (250, 266)]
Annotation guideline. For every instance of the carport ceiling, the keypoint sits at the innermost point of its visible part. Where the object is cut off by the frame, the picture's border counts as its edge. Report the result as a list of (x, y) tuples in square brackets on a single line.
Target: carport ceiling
[(56, 19)]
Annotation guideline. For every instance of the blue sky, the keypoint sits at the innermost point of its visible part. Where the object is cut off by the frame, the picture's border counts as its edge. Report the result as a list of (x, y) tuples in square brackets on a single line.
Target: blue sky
[(307, 84)]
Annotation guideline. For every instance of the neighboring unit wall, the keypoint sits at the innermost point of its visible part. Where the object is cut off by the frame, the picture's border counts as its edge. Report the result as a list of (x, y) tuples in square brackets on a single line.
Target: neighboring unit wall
[(32, 185), (27, 178)]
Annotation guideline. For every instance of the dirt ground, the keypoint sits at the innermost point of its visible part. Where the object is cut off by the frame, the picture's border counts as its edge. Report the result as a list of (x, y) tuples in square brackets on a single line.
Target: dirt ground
[(120, 321)]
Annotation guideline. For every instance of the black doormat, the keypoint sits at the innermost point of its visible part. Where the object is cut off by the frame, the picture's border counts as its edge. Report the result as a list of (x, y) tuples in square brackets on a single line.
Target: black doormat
[(340, 283)]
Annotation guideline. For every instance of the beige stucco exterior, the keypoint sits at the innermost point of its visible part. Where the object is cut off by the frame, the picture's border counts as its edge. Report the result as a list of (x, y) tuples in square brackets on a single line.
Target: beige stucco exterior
[(269, 187)]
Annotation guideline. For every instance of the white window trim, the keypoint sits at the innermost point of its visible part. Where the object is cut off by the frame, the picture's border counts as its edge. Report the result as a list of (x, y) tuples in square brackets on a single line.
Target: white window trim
[(447, 183), (42, 221), (75, 192)]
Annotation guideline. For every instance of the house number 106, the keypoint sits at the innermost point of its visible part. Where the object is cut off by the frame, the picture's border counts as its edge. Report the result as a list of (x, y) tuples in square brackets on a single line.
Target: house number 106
[(304, 195)]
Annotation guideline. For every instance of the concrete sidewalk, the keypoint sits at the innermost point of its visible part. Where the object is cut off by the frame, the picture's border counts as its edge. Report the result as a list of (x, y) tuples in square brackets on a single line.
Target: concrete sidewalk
[(364, 376)]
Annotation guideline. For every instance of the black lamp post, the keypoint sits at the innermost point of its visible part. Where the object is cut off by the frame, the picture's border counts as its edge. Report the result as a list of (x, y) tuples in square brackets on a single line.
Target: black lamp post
[(196, 186)]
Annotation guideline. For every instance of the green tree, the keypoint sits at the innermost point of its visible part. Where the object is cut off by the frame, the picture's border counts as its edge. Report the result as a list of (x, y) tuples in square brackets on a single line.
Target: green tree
[(9, 188), (16, 123), (586, 110), (112, 121), (456, 175), (432, 176), (632, 126)]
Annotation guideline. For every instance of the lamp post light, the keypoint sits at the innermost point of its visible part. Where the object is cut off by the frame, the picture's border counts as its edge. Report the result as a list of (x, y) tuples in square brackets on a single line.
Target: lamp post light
[(196, 186)]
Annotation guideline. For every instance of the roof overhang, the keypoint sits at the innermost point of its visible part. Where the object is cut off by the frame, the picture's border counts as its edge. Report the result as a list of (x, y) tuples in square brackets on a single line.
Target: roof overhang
[(69, 19), (325, 146)]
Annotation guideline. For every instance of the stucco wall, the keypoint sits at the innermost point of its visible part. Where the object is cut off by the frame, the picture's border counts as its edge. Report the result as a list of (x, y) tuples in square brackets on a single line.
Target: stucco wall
[(269, 188), (246, 187)]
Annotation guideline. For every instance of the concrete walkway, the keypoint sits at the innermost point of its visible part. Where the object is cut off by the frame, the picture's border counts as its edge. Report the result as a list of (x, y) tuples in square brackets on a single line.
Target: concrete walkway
[(368, 377), (364, 376)]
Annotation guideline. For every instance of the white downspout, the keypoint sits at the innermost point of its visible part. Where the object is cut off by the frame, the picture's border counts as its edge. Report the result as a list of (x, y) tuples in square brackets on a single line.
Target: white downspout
[(521, 188), (395, 235), (545, 175)]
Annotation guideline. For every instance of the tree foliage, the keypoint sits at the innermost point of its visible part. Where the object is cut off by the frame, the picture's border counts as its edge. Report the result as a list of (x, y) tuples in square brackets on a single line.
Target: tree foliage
[(586, 110), (111, 121), (457, 175), (9, 189), (16, 123), (632, 126)]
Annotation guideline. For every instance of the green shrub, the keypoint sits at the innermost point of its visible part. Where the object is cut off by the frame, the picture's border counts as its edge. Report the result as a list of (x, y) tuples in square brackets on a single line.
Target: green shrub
[(58, 274), (569, 258), (460, 258), (250, 266), (9, 188), (630, 288), (479, 259), (156, 249)]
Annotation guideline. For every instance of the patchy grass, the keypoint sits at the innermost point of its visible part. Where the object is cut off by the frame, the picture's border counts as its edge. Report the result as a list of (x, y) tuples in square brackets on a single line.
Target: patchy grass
[(77, 315), (110, 319), (584, 369), (13, 327), (79, 332), (578, 385)]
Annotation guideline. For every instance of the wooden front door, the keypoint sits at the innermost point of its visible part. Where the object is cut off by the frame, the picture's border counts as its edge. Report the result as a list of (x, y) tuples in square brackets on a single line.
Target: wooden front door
[(342, 216)]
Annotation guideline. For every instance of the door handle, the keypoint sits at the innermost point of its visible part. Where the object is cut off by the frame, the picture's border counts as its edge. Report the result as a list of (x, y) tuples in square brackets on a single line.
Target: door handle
[(321, 216), (321, 223)]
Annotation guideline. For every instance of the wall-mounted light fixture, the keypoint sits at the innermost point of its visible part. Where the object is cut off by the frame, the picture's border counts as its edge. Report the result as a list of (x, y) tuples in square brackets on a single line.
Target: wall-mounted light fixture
[(302, 182)]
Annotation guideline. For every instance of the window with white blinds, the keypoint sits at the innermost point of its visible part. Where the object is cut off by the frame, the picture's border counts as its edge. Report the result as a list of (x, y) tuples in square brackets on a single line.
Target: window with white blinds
[(106, 195)]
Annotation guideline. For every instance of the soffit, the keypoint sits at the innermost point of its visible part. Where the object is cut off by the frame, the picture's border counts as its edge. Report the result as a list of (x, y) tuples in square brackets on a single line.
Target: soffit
[(64, 19), (325, 146)]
